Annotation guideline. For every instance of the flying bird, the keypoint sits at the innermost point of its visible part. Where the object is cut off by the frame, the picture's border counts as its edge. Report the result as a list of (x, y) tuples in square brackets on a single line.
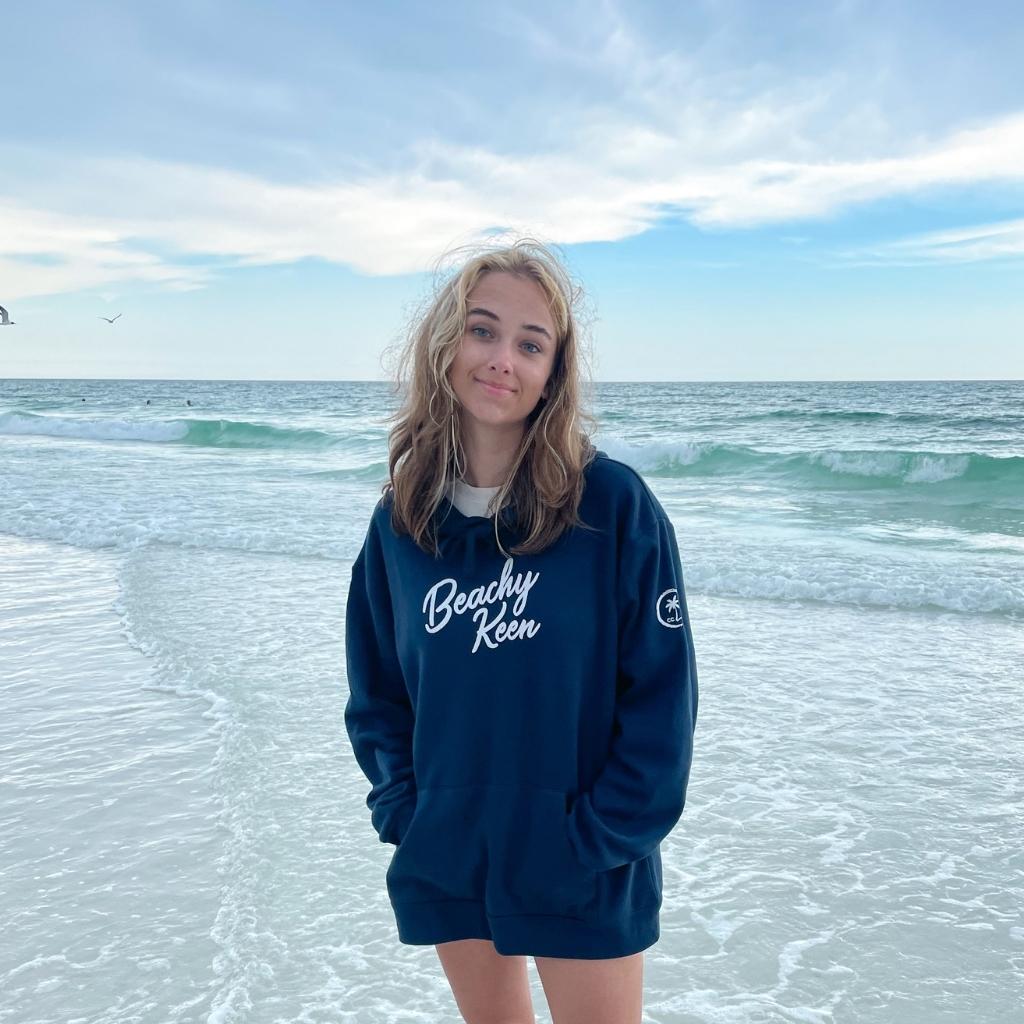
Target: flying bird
[(109, 319), (5, 320)]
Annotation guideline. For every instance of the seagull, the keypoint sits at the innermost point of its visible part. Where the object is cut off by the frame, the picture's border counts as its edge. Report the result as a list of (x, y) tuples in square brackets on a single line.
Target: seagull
[(108, 319), (5, 320)]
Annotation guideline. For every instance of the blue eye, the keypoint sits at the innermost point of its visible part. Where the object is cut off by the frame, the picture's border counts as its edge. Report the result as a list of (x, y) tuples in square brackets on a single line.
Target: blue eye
[(480, 327)]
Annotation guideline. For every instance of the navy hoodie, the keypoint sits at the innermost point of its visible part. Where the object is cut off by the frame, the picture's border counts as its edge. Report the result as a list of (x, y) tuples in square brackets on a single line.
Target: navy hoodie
[(526, 724)]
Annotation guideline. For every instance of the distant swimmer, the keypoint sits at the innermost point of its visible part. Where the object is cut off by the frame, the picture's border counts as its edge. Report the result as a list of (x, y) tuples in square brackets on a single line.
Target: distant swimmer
[(5, 320), (147, 401), (188, 401), (109, 320)]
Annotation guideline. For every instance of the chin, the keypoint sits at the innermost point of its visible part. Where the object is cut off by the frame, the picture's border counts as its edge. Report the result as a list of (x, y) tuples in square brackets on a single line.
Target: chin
[(493, 418)]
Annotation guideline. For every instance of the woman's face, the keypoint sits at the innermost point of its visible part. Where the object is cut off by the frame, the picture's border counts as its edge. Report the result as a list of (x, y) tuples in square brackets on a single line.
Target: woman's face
[(509, 341)]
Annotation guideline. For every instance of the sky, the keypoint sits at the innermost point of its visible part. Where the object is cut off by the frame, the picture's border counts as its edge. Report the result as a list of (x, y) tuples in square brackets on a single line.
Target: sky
[(745, 190)]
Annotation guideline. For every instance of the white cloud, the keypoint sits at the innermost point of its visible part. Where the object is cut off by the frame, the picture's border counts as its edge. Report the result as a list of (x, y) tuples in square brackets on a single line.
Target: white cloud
[(97, 222), (44, 253), (962, 245), (763, 191)]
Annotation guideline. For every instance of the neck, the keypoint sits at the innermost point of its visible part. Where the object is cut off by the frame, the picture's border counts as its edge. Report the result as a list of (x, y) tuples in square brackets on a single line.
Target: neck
[(489, 453)]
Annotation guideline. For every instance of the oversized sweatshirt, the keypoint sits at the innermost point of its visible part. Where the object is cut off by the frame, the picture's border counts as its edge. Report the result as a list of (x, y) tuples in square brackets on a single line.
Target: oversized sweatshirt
[(526, 723)]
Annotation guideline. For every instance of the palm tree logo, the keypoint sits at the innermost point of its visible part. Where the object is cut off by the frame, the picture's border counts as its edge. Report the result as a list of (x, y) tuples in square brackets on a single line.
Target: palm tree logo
[(670, 609)]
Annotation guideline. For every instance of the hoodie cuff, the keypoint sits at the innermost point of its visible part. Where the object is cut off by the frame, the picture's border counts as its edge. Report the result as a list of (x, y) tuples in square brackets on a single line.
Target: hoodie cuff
[(396, 824)]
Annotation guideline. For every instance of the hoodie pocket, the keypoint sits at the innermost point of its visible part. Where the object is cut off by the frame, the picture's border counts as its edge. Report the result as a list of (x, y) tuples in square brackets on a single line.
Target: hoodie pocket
[(533, 867), (654, 863), (505, 846), (442, 855), (627, 889)]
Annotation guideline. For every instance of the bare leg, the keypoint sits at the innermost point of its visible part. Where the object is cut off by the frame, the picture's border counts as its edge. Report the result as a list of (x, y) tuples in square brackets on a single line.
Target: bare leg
[(489, 988), (593, 991)]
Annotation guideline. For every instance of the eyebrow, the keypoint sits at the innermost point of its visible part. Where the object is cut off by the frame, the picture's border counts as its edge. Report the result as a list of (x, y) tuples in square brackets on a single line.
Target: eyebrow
[(497, 319)]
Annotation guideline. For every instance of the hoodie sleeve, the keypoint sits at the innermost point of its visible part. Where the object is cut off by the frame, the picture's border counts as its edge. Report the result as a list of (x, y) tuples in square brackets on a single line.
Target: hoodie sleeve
[(378, 714), (640, 792)]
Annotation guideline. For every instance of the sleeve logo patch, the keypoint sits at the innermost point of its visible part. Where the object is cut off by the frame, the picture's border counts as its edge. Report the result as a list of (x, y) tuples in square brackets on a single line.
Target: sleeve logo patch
[(670, 609)]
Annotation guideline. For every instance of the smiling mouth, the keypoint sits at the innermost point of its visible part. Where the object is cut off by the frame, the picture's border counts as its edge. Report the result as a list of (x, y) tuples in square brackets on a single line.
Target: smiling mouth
[(493, 388)]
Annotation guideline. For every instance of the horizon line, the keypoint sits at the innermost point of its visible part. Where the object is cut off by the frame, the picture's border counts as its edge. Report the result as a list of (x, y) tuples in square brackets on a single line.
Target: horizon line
[(374, 380)]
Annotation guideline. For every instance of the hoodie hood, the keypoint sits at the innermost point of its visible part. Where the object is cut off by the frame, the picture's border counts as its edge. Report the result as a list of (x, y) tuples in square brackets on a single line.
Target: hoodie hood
[(454, 528)]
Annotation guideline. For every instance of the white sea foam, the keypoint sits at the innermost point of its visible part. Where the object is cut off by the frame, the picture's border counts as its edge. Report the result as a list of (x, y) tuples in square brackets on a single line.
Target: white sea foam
[(104, 429), (653, 454), (913, 468)]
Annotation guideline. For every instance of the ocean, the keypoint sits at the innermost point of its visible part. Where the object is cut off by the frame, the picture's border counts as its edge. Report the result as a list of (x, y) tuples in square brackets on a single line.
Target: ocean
[(183, 827)]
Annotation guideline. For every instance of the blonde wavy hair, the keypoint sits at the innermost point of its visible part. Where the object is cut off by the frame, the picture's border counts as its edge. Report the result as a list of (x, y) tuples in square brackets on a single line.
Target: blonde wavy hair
[(545, 479)]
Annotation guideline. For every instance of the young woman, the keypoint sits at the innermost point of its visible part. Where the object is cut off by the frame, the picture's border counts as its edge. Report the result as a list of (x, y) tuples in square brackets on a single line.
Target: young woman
[(522, 683)]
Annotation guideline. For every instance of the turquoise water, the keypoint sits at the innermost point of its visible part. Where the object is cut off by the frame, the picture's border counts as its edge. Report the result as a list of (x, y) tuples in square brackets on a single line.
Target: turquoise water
[(185, 833)]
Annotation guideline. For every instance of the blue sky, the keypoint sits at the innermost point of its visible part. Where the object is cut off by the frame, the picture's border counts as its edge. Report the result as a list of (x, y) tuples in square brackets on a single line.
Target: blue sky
[(747, 190)]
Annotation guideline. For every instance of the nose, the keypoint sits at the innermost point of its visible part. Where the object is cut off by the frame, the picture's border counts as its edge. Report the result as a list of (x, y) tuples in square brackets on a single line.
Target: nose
[(501, 358)]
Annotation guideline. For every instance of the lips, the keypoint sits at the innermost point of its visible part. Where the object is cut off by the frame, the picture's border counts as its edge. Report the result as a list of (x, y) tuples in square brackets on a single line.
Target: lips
[(494, 389)]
